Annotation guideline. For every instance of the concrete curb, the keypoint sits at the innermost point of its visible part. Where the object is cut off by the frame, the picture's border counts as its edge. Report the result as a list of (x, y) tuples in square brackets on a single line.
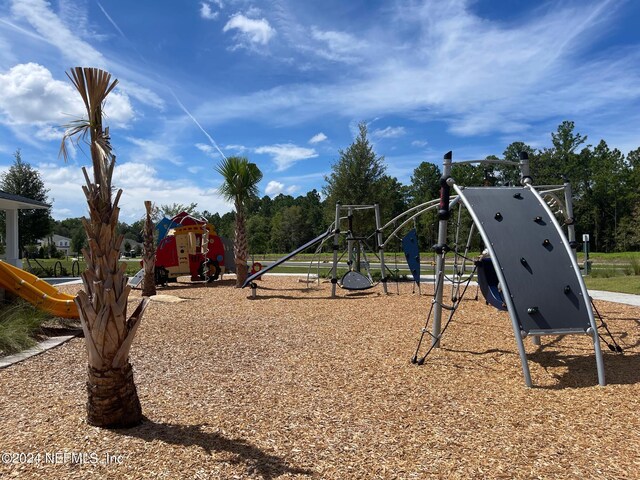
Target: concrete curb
[(48, 344)]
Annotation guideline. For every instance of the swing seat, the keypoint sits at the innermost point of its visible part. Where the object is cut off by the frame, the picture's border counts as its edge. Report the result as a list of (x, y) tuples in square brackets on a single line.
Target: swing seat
[(355, 281)]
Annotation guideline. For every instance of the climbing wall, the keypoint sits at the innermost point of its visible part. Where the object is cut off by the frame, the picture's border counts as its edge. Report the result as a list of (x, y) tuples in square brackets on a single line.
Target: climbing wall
[(530, 249)]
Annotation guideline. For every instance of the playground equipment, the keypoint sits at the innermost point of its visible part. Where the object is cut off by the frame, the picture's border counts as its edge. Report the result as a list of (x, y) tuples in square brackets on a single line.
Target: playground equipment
[(36, 291), (188, 246), (358, 247), (529, 268), (358, 275)]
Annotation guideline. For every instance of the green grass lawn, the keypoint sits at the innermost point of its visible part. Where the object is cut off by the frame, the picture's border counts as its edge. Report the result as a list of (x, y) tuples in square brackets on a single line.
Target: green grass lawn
[(615, 272), (64, 267), (622, 284)]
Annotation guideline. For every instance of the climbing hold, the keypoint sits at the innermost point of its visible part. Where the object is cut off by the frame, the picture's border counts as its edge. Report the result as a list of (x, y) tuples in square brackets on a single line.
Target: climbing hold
[(498, 216), (518, 196), (546, 242), (538, 219), (567, 290), (523, 261), (532, 310)]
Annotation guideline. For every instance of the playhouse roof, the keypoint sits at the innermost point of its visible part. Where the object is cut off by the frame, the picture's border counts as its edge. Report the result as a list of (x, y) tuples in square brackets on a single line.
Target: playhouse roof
[(9, 201)]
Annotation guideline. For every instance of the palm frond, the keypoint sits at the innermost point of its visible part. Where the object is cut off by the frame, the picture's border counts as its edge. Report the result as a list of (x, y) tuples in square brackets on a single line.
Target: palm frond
[(93, 85), (241, 179)]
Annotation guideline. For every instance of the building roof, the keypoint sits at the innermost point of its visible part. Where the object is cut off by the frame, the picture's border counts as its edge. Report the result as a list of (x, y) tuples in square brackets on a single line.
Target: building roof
[(9, 201)]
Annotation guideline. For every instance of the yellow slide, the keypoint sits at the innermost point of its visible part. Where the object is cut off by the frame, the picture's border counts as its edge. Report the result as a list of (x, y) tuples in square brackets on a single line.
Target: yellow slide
[(36, 291)]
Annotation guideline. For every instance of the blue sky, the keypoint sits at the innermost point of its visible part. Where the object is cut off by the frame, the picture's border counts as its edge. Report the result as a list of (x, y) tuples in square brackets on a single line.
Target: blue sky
[(285, 83)]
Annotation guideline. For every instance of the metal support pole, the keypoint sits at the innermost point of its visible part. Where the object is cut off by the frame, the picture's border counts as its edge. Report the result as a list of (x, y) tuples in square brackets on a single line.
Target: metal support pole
[(443, 216), (525, 168), (585, 248), (598, 352), (383, 268), (336, 239), (350, 239), (571, 227)]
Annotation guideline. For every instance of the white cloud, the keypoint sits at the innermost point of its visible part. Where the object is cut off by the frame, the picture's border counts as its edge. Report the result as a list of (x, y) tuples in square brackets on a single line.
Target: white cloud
[(419, 143), (206, 148), (139, 182), (236, 148), (472, 73), (206, 12), (250, 31), (388, 132), (285, 155), (51, 28), (29, 95), (339, 46), (153, 151), (274, 188), (317, 138)]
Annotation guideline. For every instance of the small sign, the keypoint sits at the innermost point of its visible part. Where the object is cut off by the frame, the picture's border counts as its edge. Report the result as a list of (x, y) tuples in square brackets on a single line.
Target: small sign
[(585, 237)]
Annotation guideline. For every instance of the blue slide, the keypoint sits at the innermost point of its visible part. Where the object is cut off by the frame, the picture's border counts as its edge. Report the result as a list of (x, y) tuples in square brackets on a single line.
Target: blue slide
[(298, 250)]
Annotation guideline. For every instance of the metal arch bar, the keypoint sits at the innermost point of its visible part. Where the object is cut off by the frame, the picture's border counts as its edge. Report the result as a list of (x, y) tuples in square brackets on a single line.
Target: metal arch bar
[(422, 205), (550, 188), (486, 160), (358, 207), (583, 288), (453, 202), (505, 288)]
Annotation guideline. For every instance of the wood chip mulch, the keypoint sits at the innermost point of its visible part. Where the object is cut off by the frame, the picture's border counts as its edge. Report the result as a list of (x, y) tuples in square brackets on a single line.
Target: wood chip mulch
[(296, 385)]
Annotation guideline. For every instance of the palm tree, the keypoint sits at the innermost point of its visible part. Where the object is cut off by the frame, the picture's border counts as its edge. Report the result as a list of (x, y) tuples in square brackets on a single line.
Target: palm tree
[(149, 256), (241, 180), (102, 303)]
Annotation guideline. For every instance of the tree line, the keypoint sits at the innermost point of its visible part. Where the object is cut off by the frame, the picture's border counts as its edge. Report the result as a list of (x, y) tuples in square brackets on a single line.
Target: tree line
[(605, 182)]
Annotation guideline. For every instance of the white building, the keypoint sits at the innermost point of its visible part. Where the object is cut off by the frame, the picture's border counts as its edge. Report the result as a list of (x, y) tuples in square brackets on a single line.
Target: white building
[(63, 244), (11, 204)]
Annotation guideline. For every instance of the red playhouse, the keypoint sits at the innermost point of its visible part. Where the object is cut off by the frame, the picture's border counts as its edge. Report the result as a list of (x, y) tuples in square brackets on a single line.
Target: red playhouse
[(188, 246)]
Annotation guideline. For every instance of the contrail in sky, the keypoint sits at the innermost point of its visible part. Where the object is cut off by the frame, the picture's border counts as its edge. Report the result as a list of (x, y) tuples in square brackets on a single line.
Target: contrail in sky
[(184, 109)]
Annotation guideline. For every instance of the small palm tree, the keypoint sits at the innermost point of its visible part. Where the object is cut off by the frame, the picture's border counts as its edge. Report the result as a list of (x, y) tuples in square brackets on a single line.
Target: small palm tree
[(102, 304), (241, 180)]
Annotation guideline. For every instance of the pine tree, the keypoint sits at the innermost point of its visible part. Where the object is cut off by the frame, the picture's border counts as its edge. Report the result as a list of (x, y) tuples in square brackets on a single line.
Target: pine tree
[(22, 179)]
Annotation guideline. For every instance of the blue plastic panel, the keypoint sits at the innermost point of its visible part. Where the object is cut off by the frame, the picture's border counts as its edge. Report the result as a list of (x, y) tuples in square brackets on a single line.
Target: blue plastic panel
[(412, 253)]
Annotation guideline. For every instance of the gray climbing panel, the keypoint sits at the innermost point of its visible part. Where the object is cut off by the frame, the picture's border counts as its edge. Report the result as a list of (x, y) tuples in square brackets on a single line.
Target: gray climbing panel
[(531, 252), (540, 280)]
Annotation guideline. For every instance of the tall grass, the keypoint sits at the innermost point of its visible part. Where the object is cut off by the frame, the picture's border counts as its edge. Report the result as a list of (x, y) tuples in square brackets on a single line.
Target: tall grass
[(19, 322), (635, 265)]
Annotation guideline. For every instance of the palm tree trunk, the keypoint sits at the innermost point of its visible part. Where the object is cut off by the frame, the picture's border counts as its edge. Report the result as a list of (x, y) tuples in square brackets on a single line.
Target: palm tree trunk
[(112, 397), (240, 246), (102, 303), (149, 258)]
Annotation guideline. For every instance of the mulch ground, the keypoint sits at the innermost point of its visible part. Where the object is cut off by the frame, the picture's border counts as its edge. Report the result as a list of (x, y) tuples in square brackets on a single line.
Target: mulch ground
[(296, 385)]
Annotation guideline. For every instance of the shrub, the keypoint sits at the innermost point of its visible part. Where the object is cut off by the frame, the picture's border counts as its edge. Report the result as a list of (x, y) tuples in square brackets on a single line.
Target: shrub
[(607, 272), (19, 322), (635, 266)]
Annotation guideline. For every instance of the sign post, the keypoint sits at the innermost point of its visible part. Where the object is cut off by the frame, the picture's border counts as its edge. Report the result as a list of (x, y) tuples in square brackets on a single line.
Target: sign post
[(585, 248)]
